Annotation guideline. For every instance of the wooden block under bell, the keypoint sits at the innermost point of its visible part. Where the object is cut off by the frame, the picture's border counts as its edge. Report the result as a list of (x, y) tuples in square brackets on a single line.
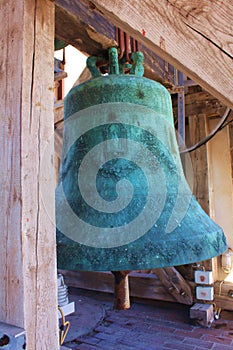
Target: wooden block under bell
[(202, 314)]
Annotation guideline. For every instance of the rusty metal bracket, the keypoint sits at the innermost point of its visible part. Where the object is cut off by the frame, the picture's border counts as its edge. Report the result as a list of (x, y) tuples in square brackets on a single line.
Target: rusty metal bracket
[(127, 45)]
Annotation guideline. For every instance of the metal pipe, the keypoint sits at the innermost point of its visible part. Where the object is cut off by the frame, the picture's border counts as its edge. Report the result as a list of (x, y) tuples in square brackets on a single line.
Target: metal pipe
[(126, 44), (181, 111)]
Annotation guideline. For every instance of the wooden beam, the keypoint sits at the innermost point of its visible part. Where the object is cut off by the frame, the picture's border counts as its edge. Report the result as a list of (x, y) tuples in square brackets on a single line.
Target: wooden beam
[(142, 285), (224, 295), (175, 284), (196, 37), (202, 314), (73, 26), (197, 132), (11, 291), (89, 31), (219, 168), (231, 145), (200, 103), (28, 288)]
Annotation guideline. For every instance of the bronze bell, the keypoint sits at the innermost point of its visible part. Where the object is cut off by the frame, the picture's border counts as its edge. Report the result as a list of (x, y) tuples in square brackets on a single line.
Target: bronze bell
[(122, 201)]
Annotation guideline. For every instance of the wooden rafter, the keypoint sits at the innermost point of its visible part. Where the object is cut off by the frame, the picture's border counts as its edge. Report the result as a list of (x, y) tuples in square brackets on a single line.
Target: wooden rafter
[(78, 24), (196, 37)]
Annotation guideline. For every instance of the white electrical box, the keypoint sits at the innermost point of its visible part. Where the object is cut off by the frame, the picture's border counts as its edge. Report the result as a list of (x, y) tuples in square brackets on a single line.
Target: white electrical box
[(204, 277), (67, 309), (205, 293)]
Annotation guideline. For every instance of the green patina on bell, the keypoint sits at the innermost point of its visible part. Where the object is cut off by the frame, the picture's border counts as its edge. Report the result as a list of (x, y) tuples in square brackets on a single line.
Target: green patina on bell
[(122, 201)]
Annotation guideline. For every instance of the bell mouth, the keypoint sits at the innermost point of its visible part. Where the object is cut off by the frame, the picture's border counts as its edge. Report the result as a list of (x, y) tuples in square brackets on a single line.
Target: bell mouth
[(125, 158)]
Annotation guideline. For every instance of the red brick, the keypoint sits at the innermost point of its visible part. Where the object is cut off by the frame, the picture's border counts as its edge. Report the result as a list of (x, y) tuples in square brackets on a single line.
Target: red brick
[(211, 331), (222, 347), (200, 342), (148, 327), (187, 333), (217, 339), (106, 346), (89, 340), (85, 347), (103, 329), (179, 346), (161, 328), (184, 326), (164, 337), (114, 346), (154, 340), (105, 336)]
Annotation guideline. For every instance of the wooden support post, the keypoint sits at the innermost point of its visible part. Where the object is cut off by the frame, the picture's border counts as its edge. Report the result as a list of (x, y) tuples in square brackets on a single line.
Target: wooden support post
[(121, 301), (231, 146), (202, 314), (220, 185), (197, 132), (175, 284), (28, 288), (220, 179)]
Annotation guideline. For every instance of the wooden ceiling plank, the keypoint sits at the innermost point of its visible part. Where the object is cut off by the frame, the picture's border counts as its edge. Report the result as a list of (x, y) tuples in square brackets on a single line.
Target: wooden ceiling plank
[(196, 37), (78, 24)]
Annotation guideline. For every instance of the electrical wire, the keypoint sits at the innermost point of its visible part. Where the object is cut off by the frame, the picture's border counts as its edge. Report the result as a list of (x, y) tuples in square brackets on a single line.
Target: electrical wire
[(218, 127), (64, 328), (227, 123)]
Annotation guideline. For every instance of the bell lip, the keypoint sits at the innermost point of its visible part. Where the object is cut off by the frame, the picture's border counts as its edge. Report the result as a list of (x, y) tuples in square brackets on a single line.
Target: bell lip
[(214, 251)]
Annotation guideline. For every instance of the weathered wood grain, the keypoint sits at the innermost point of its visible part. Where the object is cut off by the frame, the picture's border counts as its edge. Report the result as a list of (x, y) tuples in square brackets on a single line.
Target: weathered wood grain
[(11, 274), (78, 24), (175, 284), (231, 146), (28, 289), (142, 285), (199, 161), (220, 179), (74, 29), (196, 37), (201, 103)]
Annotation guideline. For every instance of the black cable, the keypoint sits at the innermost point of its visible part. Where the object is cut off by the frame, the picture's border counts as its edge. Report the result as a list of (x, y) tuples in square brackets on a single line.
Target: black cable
[(227, 123), (211, 135)]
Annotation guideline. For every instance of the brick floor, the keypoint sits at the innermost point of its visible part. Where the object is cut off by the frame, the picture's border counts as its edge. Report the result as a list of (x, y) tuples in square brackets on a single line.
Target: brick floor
[(159, 326)]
